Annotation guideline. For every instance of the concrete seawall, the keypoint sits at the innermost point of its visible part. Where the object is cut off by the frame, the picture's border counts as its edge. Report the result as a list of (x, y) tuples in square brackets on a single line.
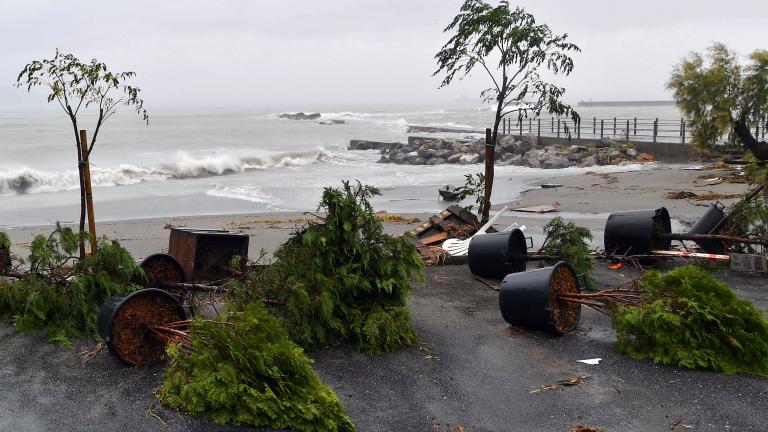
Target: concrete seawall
[(664, 151)]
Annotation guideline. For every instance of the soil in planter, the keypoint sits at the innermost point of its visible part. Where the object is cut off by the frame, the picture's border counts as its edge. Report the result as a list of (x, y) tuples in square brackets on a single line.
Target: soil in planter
[(160, 272), (131, 339), (565, 314)]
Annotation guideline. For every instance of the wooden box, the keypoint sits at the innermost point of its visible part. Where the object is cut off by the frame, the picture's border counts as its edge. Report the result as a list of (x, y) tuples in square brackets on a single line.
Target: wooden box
[(206, 254)]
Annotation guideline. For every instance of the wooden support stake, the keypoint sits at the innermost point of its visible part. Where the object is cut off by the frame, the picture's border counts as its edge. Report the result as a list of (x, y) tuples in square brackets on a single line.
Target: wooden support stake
[(490, 150), (88, 188)]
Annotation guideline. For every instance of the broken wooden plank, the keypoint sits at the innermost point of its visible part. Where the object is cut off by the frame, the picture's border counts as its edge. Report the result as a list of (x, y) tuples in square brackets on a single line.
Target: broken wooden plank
[(434, 238), (683, 254), (536, 209)]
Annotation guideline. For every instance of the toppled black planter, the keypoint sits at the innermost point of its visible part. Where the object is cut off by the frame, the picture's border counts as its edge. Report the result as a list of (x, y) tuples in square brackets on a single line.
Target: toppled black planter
[(125, 322), (706, 224), (635, 232), (529, 299), (496, 255), (162, 271)]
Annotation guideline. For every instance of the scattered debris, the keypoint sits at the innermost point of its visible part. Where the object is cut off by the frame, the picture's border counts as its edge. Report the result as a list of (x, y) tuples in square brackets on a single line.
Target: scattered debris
[(88, 355), (569, 382), (585, 428), (449, 193), (593, 361), (709, 196), (452, 223), (713, 181), (679, 422), (536, 209), (681, 195), (433, 255), (396, 218)]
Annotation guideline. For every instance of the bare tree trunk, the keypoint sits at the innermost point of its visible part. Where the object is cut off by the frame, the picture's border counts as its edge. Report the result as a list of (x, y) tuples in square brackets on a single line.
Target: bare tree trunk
[(490, 156), (82, 186), (758, 148), (81, 227)]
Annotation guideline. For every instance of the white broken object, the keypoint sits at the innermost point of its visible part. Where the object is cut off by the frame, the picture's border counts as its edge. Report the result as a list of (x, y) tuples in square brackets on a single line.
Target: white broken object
[(594, 361), (456, 247)]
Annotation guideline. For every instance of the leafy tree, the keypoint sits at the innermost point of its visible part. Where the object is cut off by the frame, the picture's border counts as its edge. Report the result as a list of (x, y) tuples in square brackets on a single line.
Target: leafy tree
[(76, 85), (511, 48), (721, 96)]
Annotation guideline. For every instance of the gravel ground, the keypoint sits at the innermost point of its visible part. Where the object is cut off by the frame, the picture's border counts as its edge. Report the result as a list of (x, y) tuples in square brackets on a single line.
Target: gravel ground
[(470, 370)]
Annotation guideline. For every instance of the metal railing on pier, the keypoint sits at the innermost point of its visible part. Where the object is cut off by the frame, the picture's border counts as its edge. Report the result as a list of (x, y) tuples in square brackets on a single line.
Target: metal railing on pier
[(618, 128)]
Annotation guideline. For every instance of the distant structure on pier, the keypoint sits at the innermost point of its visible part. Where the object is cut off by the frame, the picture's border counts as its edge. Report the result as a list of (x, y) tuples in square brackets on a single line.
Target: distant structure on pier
[(624, 103)]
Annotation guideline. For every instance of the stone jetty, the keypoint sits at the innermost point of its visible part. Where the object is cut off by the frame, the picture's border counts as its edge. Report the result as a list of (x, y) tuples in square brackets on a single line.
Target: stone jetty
[(511, 150)]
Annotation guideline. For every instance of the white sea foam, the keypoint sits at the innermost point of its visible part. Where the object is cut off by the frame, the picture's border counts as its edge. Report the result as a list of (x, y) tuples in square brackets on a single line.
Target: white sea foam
[(245, 192), (352, 114), (27, 180)]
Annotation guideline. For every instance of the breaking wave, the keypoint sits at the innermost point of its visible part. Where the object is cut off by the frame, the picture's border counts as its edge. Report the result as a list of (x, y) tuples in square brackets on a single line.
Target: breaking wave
[(245, 192), (27, 180)]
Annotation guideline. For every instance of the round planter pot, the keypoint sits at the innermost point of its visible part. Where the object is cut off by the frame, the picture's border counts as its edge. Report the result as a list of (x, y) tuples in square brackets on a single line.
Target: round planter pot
[(529, 299), (496, 255), (161, 270), (635, 232), (125, 319), (708, 221)]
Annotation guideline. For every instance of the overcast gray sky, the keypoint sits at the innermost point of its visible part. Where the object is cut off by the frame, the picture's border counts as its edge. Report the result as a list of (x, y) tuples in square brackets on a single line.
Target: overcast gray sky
[(351, 52)]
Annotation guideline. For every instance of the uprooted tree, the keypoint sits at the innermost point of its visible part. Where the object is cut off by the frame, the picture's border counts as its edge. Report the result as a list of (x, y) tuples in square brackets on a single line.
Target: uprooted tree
[(342, 278), (60, 293), (76, 86), (512, 49), (339, 278), (243, 369), (686, 318), (723, 98)]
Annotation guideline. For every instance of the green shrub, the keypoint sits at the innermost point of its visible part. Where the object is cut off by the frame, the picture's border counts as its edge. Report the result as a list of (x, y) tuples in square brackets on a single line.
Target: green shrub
[(62, 295), (568, 241), (343, 278), (244, 370), (694, 321), (5, 241)]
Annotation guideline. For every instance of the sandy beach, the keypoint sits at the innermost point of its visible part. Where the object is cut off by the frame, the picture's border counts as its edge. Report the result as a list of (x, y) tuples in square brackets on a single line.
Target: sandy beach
[(587, 199)]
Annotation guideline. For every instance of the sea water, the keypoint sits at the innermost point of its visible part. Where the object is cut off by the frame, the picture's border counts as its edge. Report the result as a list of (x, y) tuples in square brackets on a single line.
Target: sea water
[(228, 161)]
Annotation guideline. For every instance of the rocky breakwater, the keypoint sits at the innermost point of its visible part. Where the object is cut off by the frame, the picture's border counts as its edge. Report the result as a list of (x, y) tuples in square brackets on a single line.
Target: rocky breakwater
[(511, 150), (312, 116)]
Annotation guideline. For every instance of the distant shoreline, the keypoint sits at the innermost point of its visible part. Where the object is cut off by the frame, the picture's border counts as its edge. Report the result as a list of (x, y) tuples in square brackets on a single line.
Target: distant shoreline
[(624, 103)]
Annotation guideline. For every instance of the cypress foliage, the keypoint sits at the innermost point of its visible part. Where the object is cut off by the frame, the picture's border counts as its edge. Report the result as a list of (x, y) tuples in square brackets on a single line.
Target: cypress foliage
[(343, 278), (63, 297), (244, 370), (694, 321), (569, 242)]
